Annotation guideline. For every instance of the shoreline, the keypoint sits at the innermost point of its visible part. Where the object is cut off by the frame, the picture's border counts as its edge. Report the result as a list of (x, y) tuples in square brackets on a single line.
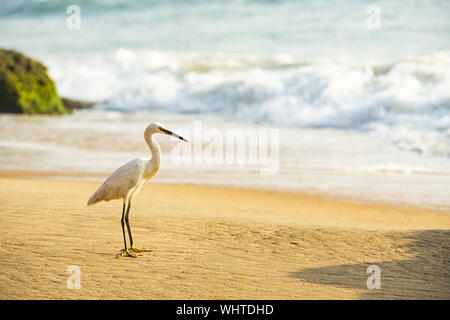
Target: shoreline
[(311, 161), (99, 177)]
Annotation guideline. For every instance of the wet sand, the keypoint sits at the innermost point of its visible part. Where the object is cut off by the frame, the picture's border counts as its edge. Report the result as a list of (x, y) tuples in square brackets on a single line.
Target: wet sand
[(215, 243)]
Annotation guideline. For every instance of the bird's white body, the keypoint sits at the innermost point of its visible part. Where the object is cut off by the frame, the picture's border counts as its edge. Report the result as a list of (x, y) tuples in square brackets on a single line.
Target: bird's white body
[(127, 181)]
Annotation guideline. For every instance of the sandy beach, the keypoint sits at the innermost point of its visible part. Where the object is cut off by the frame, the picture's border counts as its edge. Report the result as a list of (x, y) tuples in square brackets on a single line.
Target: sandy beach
[(215, 243)]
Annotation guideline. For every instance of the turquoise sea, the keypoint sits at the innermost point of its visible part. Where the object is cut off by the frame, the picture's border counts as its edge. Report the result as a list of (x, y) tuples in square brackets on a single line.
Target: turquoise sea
[(310, 66)]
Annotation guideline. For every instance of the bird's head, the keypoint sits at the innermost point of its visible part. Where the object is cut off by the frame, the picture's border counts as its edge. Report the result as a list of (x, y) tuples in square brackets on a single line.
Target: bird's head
[(159, 128)]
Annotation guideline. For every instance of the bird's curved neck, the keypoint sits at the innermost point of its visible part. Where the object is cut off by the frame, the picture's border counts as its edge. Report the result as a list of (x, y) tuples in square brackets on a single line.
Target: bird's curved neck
[(155, 149)]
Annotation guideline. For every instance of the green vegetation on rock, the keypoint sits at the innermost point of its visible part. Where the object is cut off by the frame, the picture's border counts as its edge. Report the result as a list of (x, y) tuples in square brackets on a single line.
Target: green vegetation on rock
[(25, 86)]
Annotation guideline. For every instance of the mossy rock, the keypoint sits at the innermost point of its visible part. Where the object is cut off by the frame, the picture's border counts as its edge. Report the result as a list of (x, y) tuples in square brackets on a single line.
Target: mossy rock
[(25, 86), (72, 104)]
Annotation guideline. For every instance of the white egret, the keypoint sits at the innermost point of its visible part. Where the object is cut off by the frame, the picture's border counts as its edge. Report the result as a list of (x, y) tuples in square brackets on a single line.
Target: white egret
[(126, 182)]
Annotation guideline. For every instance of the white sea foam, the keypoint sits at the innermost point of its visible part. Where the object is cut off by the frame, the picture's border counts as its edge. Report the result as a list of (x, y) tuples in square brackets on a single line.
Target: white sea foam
[(406, 102)]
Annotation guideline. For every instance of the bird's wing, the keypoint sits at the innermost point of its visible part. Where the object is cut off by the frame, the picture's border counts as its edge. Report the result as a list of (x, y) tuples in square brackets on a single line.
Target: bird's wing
[(120, 182)]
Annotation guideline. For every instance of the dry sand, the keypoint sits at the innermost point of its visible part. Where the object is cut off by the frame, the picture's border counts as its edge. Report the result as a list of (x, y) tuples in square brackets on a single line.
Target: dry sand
[(215, 243)]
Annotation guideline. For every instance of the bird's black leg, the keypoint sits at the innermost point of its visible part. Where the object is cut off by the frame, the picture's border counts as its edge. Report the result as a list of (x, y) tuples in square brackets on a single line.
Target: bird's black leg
[(129, 232), (123, 227), (125, 252), (128, 224)]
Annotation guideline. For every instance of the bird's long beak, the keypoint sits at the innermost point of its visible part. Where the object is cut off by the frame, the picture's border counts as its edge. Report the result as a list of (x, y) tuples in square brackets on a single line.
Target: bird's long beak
[(170, 133), (179, 137)]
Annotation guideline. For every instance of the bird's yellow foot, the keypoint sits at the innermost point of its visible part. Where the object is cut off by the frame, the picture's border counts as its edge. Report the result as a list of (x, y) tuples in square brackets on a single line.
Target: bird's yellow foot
[(126, 253), (139, 250)]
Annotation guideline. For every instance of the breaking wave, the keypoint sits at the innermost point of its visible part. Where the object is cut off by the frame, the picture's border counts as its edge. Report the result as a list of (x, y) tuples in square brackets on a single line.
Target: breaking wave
[(406, 102)]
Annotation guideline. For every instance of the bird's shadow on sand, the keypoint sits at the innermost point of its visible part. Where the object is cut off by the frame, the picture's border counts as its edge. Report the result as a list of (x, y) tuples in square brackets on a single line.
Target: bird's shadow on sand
[(424, 276)]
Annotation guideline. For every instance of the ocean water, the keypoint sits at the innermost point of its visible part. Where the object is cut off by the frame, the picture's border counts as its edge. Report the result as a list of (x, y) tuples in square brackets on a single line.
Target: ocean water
[(310, 68)]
